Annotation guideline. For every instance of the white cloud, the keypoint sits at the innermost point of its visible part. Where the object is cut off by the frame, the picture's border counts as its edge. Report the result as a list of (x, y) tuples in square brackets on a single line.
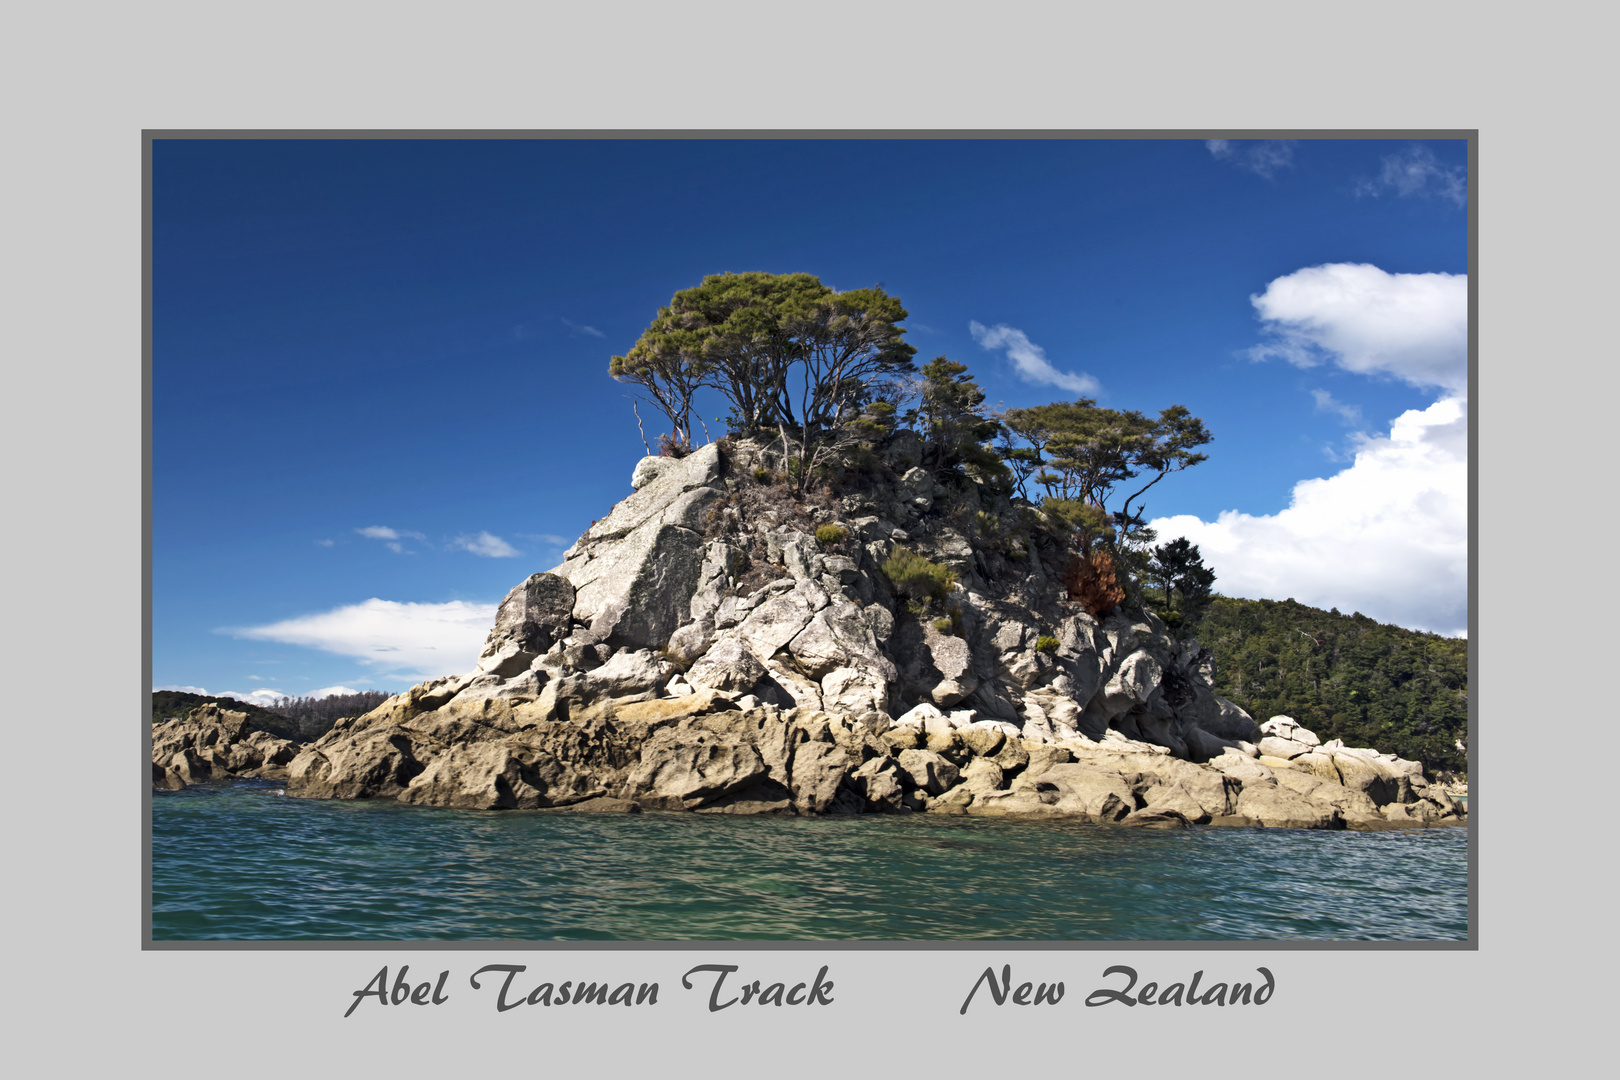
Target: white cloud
[(324, 543), (1387, 536), (1416, 171), (184, 689), (425, 639), (1029, 359), (328, 691), (1411, 326), (261, 697), (486, 544), (1263, 157), (391, 536)]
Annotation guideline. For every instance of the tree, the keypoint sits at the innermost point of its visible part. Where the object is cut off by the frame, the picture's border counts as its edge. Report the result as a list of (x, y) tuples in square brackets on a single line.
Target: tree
[(1090, 452), (1179, 567), (952, 420), (795, 358)]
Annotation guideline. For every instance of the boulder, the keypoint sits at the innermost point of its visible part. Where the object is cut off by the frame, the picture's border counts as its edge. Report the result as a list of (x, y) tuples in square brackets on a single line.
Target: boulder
[(928, 771), (1157, 817), (933, 667), (1070, 788), (1366, 775), (729, 666), (693, 766), (1272, 746), (532, 617), (1278, 808), (630, 676)]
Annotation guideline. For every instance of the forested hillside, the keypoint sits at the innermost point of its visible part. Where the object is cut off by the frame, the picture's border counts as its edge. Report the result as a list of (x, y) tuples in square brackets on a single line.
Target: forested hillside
[(171, 704), (1343, 676)]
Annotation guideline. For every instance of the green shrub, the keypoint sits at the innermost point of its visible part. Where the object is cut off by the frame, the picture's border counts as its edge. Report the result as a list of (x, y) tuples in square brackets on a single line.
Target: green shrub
[(828, 535), (943, 625), (1046, 643), (915, 578), (987, 525), (764, 476)]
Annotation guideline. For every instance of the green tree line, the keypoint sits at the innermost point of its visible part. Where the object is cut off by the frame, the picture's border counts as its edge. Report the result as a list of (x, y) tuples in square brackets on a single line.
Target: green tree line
[(1342, 676)]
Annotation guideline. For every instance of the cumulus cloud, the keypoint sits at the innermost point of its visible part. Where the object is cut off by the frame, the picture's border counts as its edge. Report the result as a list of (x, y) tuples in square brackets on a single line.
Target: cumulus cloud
[(426, 639), (328, 691), (486, 544), (1029, 359), (1387, 536), (1413, 327), (184, 689), (1415, 171), (1263, 157)]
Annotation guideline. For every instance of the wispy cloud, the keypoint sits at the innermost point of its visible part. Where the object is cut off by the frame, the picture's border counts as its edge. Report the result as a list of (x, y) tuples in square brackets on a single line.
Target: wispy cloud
[(1415, 171), (546, 538), (486, 544), (1326, 402), (323, 543), (426, 640), (581, 328), (391, 537), (1362, 319), (1029, 359), (1262, 157), (383, 532)]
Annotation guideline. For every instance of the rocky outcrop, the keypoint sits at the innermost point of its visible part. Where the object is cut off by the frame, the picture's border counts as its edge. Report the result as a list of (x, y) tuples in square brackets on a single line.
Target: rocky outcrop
[(700, 649), (211, 744)]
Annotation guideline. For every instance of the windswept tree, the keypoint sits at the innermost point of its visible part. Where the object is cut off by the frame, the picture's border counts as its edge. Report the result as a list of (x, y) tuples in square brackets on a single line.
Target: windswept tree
[(1090, 454), (795, 359), (669, 378)]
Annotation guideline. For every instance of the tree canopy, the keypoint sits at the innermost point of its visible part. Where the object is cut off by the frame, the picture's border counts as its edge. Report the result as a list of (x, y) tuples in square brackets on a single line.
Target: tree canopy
[(789, 354)]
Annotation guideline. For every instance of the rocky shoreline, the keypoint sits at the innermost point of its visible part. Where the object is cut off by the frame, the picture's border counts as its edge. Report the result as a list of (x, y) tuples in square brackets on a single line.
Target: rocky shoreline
[(710, 646)]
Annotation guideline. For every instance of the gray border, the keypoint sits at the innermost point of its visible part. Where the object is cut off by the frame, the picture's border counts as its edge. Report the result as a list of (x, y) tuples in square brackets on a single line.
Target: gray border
[(1470, 944)]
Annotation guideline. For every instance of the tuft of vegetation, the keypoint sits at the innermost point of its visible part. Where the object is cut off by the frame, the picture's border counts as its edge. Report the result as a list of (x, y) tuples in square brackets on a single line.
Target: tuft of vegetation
[(830, 535), (917, 580), (943, 624), (764, 476), (1094, 581), (1342, 676), (1046, 643)]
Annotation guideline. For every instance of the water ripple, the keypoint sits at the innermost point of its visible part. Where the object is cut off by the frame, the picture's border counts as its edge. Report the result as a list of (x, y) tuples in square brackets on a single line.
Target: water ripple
[(237, 862)]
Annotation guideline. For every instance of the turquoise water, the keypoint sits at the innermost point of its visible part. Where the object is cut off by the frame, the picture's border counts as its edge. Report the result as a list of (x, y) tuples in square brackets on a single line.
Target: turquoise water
[(244, 861)]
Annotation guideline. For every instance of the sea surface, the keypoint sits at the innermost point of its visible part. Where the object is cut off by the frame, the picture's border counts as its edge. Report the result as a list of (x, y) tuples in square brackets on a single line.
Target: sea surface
[(244, 861)]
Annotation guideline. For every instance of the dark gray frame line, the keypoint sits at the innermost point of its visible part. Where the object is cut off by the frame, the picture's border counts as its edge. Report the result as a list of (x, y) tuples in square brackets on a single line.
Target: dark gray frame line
[(1470, 944)]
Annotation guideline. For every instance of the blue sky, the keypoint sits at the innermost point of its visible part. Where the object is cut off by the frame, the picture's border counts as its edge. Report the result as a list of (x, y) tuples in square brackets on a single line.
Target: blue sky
[(379, 379)]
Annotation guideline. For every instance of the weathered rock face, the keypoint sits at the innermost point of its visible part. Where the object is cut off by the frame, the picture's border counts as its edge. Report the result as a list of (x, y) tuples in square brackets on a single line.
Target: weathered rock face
[(635, 571), (213, 744), (689, 656)]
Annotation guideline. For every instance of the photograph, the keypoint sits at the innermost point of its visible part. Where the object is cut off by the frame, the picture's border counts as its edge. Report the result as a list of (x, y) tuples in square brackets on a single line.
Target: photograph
[(858, 539)]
